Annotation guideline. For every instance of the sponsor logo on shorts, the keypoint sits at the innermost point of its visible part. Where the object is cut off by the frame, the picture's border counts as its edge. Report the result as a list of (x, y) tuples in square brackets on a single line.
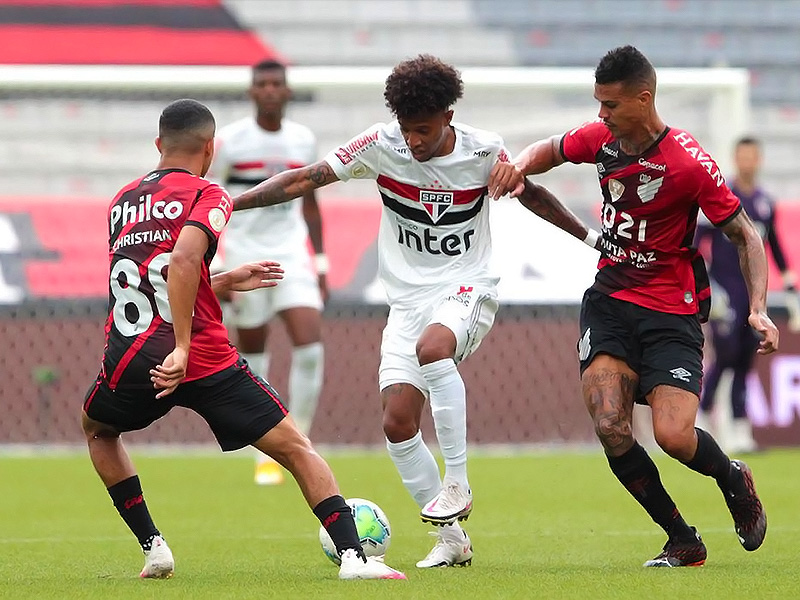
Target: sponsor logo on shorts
[(464, 295), (681, 373), (585, 344)]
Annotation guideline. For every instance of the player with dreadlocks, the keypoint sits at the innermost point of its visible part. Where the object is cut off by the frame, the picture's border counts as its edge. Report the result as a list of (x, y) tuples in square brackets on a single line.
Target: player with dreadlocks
[(434, 247)]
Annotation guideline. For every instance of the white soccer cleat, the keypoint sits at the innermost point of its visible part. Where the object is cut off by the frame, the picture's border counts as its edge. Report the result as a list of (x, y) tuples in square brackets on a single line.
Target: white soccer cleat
[(448, 553), (453, 503), (741, 437), (158, 561), (354, 567)]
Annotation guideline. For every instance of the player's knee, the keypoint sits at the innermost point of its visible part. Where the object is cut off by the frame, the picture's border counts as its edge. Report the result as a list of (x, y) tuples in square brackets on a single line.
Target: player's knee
[(429, 351), (614, 433), (292, 451), (678, 442), (95, 430), (398, 428)]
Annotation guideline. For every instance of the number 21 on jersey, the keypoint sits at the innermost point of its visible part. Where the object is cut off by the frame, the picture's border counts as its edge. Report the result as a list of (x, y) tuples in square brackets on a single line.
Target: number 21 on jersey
[(627, 227)]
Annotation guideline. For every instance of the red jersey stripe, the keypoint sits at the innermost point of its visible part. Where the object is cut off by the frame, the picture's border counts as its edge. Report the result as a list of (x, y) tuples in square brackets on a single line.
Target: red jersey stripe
[(132, 351), (260, 384), (263, 164), (411, 192)]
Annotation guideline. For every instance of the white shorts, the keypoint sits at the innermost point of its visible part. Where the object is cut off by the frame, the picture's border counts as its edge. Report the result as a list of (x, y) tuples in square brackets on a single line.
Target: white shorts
[(299, 287), (468, 311)]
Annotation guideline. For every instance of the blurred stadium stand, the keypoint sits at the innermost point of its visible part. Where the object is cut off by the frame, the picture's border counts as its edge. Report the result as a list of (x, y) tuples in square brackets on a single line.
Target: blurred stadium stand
[(761, 35)]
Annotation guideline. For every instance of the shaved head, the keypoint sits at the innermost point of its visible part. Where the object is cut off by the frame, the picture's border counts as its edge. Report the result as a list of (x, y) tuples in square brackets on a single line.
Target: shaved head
[(185, 126)]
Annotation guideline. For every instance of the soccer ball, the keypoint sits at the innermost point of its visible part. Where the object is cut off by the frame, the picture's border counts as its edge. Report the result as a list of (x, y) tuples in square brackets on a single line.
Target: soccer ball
[(373, 528)]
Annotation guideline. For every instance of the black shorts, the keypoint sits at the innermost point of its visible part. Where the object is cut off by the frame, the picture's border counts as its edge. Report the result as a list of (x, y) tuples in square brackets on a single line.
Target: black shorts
[(239, 406), (662, 348)]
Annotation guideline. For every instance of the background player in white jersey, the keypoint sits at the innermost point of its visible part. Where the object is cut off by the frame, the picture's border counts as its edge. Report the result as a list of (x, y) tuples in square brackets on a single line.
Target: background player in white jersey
[(248, 152), (434, 250)]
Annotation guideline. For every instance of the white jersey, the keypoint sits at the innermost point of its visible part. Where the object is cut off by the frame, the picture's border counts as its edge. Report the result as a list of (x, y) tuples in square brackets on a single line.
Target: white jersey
[(434, 227), (246, 155)]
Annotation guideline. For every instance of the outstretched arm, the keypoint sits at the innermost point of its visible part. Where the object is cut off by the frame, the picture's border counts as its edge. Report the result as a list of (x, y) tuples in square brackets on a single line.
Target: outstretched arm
[(286, 185), (540, 156), (540, 201), (247, 277), (753, 263)]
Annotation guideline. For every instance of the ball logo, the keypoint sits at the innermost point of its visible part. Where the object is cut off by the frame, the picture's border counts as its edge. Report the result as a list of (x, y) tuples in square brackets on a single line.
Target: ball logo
[(217, 220)]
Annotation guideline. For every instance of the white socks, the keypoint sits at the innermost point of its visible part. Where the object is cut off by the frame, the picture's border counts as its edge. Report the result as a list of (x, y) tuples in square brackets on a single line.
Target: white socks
[(417, 468), (305, 383), (448, 398)]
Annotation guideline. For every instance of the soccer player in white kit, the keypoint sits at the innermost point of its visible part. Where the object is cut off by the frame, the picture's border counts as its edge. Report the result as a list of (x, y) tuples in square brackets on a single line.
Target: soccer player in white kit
[(434, 248), (248, 152)]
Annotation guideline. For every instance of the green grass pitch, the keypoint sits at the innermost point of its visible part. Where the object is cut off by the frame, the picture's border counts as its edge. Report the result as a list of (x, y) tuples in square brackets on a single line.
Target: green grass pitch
[(548, 526)]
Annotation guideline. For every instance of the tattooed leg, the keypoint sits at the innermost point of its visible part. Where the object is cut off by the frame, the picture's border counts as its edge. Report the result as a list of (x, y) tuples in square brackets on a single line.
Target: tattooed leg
[(609, 388), (674, 412)]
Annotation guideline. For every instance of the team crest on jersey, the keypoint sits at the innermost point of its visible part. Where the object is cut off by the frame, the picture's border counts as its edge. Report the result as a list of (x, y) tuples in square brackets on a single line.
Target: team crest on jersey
[(648, 190), (615, 189), (435, 203)]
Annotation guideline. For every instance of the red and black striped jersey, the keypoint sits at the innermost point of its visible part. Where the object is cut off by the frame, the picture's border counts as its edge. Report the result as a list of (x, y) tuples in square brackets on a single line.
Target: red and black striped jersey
[(649, 215), (145, 218)]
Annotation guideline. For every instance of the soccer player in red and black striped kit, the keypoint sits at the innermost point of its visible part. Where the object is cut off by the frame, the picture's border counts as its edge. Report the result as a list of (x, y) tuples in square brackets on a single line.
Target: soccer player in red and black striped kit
[(641, 339), (166, 345)]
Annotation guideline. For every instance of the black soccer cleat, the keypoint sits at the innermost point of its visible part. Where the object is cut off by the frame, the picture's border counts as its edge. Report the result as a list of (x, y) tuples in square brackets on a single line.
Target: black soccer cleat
[(749, 517), (679, 553)]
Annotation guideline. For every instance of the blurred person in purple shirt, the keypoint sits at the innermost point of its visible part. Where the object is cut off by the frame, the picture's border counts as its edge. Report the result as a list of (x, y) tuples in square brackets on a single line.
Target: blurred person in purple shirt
[(734, 343)]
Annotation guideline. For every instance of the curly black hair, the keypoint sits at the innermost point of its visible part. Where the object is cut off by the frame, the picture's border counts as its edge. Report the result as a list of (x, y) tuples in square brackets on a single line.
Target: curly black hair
[(628, 65), (422, 86)]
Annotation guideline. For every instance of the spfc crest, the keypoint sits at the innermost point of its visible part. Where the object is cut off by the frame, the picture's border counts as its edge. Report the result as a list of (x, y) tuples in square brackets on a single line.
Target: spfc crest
[(435, 203), (615, 189)]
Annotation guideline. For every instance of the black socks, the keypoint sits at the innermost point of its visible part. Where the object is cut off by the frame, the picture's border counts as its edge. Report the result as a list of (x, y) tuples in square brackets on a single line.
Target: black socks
[(337, 519), (710, 460), (129, 502), (638, 473)]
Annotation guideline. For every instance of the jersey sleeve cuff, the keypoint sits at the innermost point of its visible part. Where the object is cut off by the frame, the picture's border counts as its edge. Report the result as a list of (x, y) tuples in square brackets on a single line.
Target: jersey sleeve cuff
[(213, 237), (730, 218), (561, 150), (338, 168)]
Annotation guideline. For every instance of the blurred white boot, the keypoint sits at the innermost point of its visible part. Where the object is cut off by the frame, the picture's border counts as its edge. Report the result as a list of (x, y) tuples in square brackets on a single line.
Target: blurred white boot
[(741, 438)]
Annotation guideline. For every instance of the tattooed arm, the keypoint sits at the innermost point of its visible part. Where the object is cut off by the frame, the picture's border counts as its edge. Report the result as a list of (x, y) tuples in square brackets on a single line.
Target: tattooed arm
[(753, 263), (540, 201), (286, 185)]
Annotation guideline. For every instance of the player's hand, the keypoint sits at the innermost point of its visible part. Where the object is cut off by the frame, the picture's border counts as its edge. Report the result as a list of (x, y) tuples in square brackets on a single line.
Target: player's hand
[(766, 329), (505, 178), (322, 280), (252, 276), (170, 373)]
